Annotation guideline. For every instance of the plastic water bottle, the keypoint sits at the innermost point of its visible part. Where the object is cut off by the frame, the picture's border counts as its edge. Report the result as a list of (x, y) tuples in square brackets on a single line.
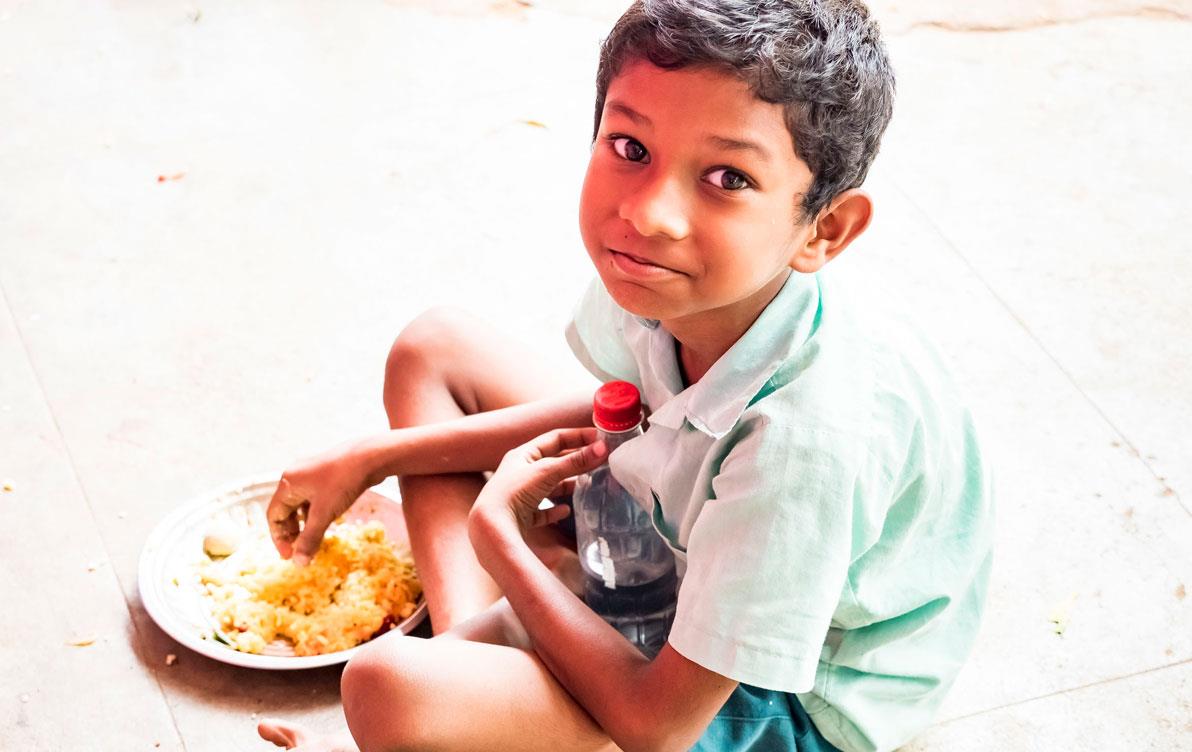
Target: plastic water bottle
[(629, 570)]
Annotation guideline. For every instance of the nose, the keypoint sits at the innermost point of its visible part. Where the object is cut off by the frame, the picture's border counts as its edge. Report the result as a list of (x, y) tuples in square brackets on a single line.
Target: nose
[(657, 207)]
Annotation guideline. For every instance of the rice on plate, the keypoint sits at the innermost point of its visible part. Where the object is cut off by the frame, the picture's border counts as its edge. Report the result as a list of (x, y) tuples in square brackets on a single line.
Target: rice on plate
[(356, 587)]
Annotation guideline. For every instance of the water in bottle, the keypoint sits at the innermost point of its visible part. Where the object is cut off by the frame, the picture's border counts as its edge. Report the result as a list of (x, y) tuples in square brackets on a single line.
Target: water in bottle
[(629, 570)]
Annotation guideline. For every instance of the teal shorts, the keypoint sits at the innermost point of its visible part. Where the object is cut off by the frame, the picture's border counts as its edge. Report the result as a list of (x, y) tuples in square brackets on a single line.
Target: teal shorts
[(762, 720)]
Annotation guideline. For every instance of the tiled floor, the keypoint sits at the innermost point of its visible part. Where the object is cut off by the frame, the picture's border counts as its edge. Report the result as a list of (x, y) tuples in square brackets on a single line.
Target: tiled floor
[(344, 168)]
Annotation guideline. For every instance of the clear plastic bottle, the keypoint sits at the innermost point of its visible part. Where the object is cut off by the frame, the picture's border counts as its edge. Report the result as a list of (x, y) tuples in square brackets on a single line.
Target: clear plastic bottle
[(629, 570)]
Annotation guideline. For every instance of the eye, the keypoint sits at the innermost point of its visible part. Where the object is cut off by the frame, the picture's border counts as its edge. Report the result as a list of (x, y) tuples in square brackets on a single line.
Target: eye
[(729, 180), (628, 148)]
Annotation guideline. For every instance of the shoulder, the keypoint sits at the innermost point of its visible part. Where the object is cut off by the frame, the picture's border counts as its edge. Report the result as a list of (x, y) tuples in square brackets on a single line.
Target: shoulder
[(867, 369), (869, 400), (826, 386)]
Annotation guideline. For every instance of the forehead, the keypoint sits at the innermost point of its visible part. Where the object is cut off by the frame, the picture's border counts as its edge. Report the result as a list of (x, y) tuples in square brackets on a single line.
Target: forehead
[(700, 101)]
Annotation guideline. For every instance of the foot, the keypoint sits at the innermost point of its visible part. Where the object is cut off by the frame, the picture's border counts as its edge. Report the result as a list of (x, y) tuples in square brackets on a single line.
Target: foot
[(299, 737)]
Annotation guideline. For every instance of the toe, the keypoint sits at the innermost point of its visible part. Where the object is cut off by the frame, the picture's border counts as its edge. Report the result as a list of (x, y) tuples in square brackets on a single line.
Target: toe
[(282, 733)]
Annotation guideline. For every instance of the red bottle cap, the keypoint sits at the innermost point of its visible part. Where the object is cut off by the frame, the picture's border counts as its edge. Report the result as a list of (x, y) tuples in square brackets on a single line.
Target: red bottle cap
[(617, 407)]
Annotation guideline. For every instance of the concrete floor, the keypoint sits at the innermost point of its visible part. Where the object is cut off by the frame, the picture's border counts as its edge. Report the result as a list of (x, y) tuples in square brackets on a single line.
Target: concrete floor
[(344, 168)]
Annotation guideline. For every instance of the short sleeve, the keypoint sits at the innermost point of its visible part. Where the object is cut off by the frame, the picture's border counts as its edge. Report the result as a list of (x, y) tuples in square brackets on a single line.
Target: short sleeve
[(768, 557), (596, 335)]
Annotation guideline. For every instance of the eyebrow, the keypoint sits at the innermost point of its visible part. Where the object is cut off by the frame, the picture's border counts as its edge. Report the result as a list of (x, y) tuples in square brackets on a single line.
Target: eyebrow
[(629, 112), (730, 144)]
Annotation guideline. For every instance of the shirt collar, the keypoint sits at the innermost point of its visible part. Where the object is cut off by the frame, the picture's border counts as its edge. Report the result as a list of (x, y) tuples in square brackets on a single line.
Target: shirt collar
[(715, 403)]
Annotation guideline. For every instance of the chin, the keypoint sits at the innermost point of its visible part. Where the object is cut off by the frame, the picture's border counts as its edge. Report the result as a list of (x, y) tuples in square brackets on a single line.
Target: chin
[(637, 299)]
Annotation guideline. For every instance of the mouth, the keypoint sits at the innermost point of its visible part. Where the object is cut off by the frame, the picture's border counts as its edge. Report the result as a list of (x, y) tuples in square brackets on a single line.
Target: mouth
[(636, 266)]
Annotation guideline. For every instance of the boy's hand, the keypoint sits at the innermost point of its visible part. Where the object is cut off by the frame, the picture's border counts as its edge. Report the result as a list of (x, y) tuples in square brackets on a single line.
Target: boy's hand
[(538, 470), (309, 496)]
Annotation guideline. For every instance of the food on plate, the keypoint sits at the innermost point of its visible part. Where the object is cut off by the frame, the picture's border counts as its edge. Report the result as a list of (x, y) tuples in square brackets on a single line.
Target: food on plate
[(222, 538), (356, 587)]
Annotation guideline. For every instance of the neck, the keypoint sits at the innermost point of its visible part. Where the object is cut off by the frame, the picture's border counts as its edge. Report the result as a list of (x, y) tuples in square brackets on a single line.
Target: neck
[(702, 338), (614, 439)]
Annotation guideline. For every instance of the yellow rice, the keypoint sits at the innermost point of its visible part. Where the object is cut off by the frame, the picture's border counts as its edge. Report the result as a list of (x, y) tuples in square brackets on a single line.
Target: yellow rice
[(354, 584)]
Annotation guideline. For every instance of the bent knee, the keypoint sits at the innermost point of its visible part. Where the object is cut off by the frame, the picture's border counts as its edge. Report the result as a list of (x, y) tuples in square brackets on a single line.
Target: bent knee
[(424, 364), (431, 339), (384, 704)]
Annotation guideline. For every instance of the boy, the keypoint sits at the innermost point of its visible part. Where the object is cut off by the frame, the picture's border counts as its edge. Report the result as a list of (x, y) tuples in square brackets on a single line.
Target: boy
[(810, 465)]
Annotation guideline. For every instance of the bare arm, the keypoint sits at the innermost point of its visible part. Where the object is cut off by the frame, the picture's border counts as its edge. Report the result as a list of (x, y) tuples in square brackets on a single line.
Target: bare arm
[(664, 704), (472, 443), (317, 490)]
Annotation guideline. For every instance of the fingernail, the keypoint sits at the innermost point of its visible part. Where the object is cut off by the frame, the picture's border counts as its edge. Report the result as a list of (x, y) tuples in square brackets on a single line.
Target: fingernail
[(300, 560), (600, 448)]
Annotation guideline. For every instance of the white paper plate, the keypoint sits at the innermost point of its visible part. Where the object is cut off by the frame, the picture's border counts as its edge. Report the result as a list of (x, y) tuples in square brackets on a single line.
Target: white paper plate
[(169, 583)]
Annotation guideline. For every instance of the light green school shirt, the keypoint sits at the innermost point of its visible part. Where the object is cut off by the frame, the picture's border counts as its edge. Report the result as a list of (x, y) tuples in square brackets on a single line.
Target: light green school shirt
[(826, 497)]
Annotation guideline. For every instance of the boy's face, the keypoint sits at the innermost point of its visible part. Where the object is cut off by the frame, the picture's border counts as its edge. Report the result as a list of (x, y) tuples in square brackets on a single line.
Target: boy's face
[(679, 220)]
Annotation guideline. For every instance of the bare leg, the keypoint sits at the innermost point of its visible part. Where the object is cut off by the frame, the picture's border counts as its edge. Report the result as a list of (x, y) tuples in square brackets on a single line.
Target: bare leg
[(462, 690), (444, 365), (410, 694)]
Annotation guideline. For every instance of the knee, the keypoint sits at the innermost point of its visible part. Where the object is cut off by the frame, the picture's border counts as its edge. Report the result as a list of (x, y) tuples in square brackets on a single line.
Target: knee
[(383, 703), (425, 356), (427, 341)]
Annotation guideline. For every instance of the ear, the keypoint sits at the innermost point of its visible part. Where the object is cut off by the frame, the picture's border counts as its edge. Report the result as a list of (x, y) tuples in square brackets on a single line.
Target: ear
[(839, 224)]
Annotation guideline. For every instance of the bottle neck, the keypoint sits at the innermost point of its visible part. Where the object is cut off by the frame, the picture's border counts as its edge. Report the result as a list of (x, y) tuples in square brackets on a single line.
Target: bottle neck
[(614, 439)]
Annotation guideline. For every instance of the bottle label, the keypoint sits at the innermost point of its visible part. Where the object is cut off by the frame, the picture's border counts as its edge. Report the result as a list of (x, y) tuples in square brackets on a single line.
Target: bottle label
[(607, 568)]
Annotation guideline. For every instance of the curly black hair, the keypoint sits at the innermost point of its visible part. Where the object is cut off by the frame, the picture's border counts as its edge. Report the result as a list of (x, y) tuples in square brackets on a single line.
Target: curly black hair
[(822, 60)]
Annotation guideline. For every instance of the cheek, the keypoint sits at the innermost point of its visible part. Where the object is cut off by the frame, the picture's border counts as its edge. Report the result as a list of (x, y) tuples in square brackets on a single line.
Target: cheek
[(737, 237), (746, 250), (598, 198), (591, 214), (589, 196)]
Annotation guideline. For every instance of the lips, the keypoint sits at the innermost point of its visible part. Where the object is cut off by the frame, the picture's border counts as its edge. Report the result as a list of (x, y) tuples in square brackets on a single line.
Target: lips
[(639, 263)]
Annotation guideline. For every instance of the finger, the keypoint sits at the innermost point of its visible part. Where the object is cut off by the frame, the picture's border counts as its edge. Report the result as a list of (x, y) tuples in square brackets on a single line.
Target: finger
[(564, 490), (308, 541), (551, 515), (555, 470), (283, 522), (560, 440), (564, 453)]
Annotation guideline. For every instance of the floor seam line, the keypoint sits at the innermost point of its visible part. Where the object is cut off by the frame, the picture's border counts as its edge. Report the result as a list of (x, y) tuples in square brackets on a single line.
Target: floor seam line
[(74, 471), (1148, 13), (1078, 688), (1042, 347)]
